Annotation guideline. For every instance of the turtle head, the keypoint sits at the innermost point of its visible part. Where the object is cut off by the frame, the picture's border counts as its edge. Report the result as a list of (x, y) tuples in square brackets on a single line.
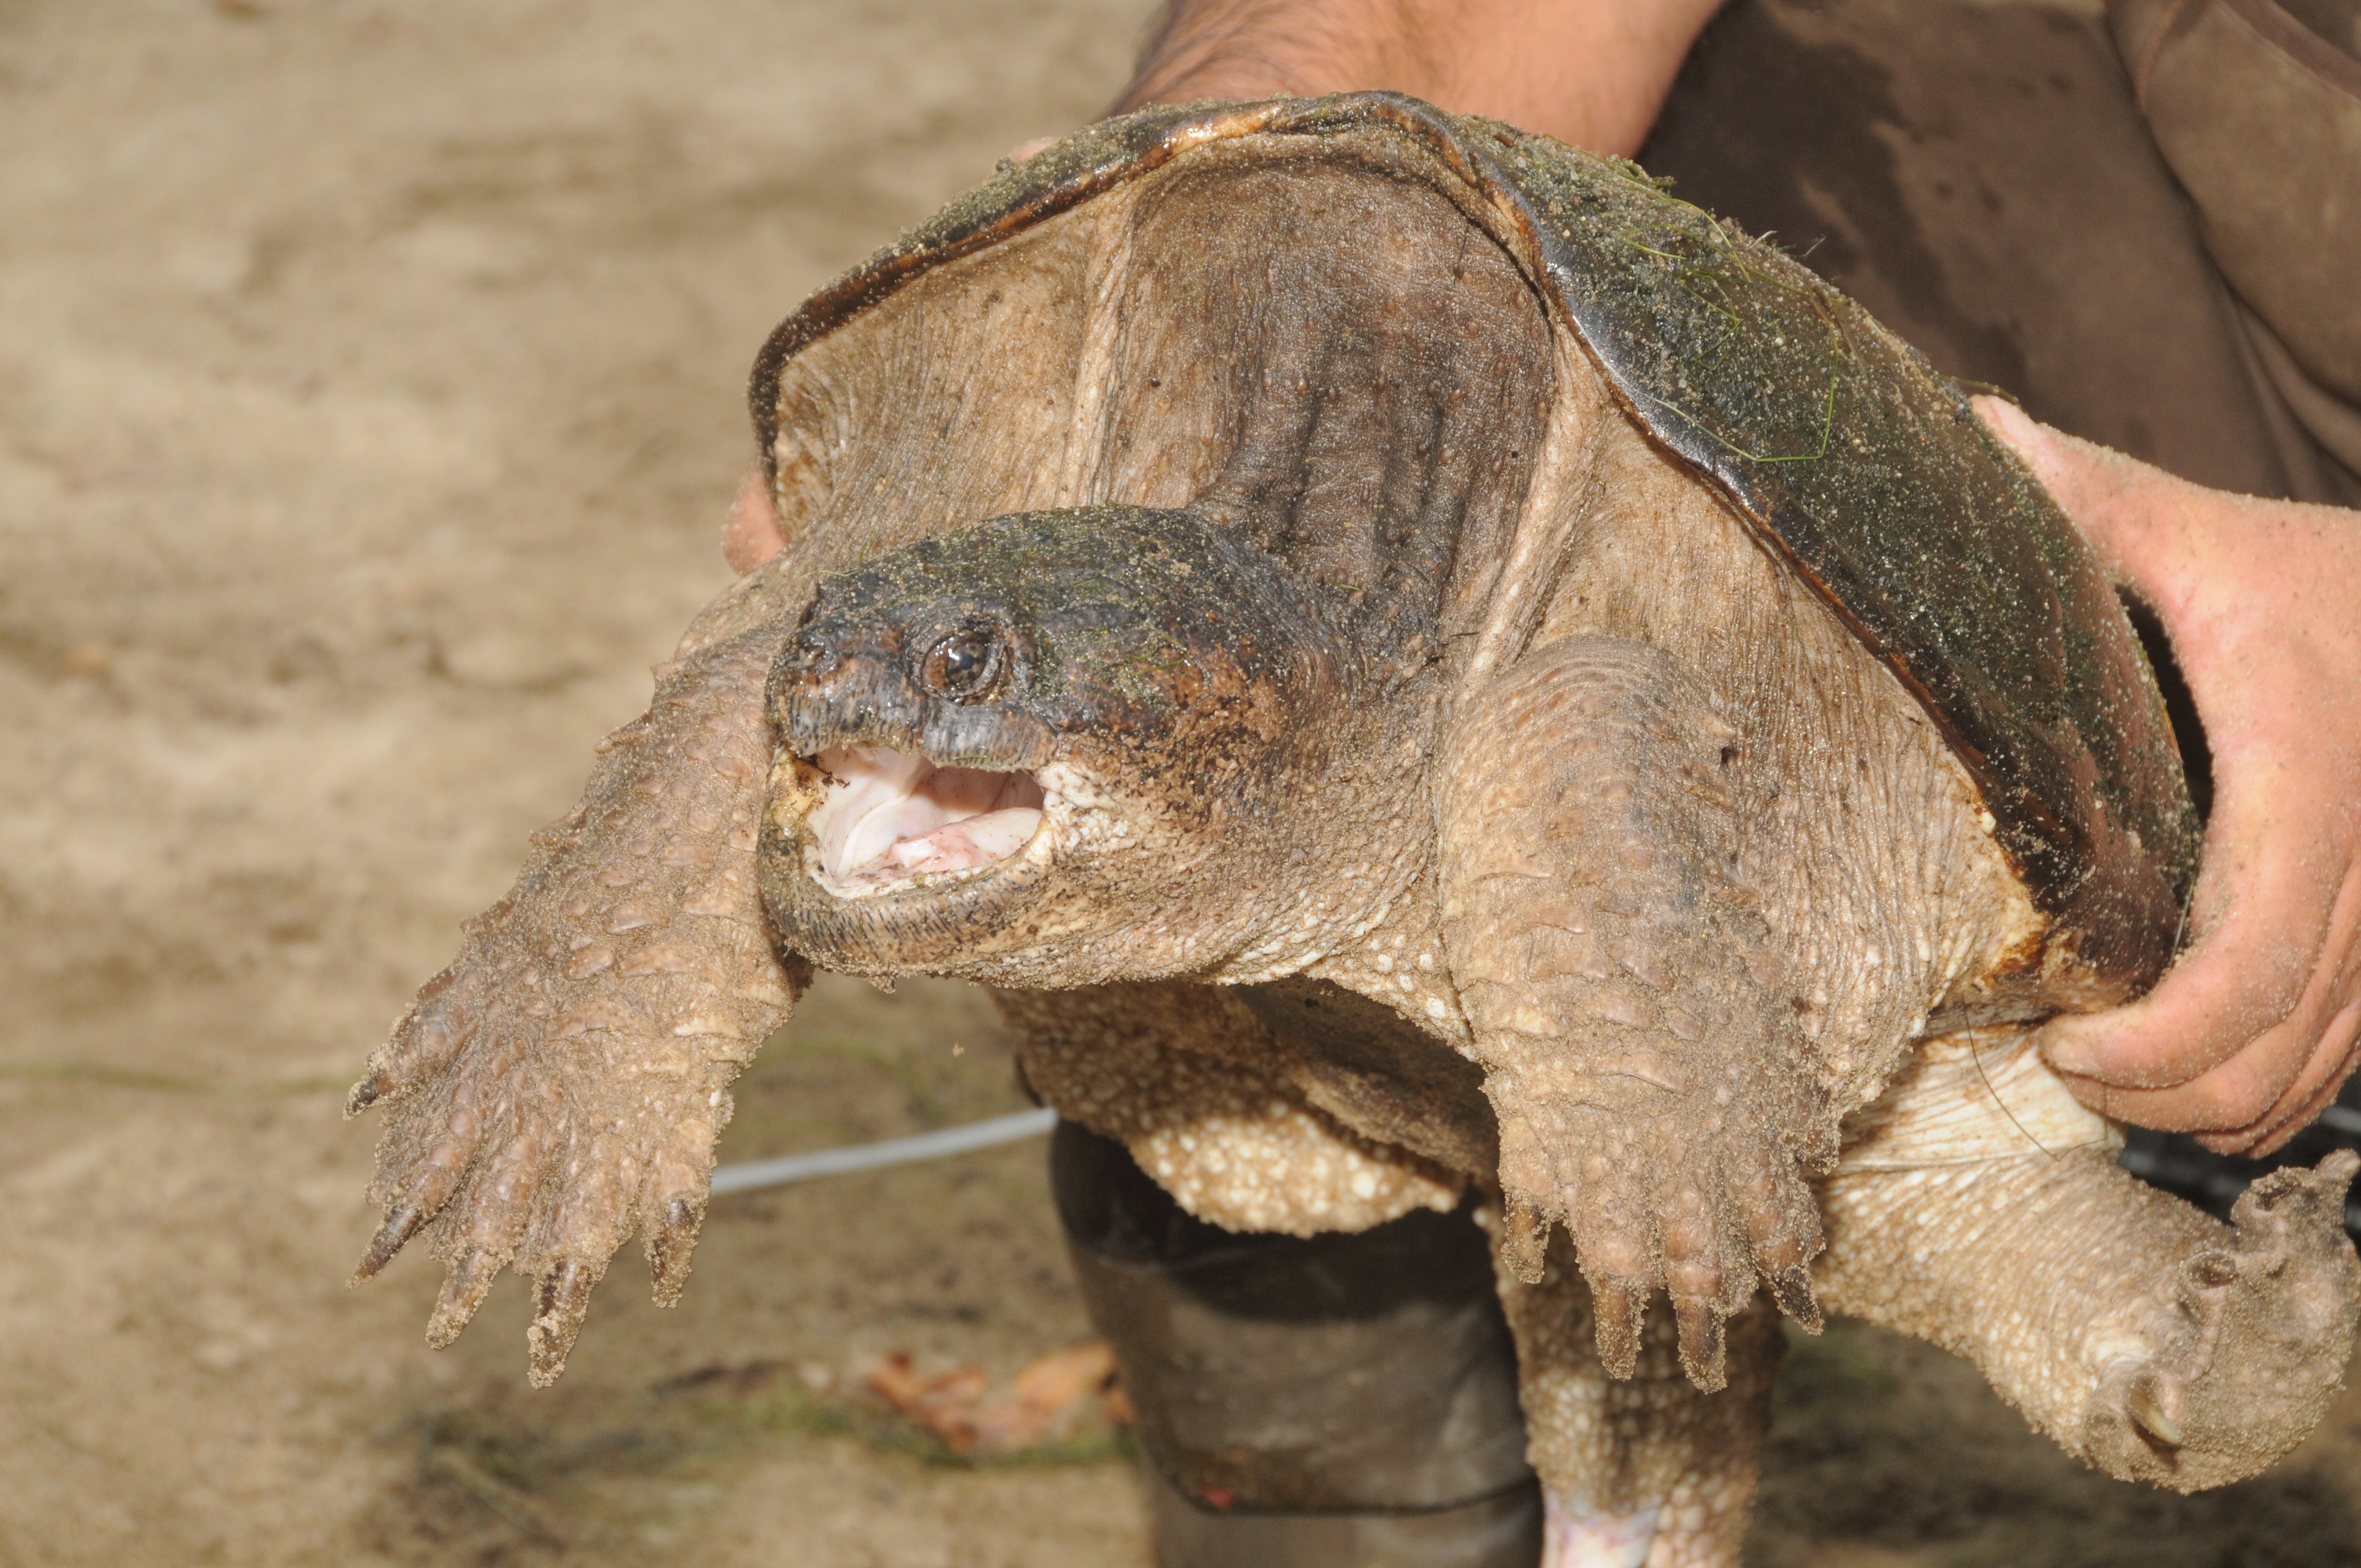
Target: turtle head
[(1049, 749)]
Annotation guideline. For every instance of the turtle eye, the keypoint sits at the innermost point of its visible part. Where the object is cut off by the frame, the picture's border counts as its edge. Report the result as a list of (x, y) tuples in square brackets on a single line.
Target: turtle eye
[(966, 665)]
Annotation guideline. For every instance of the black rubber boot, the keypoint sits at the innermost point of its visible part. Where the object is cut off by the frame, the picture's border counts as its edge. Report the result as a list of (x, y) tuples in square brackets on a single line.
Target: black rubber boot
[(1337, 1402)]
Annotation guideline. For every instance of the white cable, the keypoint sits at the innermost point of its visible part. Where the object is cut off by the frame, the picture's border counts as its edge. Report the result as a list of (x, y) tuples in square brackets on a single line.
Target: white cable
[(893, 1151), (1011, 1129)]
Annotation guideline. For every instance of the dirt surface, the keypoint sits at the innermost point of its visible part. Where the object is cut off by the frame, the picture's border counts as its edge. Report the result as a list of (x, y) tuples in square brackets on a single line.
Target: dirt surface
[(369, 395)]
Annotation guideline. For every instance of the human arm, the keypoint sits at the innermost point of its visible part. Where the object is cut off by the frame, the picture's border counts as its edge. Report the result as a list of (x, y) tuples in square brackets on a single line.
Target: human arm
[(2252, 1032), (1590, 72)]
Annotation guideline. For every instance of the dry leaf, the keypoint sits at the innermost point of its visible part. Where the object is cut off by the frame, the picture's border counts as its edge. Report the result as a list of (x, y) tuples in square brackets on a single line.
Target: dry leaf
[(1050, 1397)]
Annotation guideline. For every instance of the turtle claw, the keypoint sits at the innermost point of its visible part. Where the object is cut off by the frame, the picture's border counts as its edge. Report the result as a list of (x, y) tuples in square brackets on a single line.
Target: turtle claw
[(670, 1247), (1685, 1207), (403, 1222), (564, 1301), (1678, 1203), (2290, 1200), (1792, 1288), (2244, 1346), (1619, 1311), (440, 1021), (1524, 1240), (1650, 1087), (1701, 1343), (464, 1289), (2144, 1405), (588, 1033)]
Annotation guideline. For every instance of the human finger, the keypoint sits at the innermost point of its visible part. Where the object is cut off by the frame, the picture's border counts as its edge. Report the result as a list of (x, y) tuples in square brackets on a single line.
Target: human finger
[(752, 533)]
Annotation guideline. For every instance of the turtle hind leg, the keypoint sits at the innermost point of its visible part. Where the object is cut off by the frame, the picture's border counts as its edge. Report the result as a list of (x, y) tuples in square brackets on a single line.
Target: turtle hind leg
[(2245, 1365), (2147, 1337), (1649, 1470), (1652, 1091)]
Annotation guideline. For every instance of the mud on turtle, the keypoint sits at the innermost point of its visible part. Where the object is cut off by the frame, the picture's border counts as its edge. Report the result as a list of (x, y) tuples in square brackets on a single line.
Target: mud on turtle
[(1412, 661)]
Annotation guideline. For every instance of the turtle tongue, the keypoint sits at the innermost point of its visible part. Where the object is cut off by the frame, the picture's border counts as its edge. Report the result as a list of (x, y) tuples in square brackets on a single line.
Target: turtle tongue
[(971, 841), (892, 814)]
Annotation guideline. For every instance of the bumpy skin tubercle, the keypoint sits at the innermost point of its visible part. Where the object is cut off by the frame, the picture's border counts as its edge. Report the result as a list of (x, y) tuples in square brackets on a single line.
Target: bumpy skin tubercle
[(1654, 1093), (561, 1084)]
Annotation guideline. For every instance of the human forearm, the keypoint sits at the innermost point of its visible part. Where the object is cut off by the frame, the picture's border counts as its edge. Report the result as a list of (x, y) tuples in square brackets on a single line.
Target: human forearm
[(1592, 72)]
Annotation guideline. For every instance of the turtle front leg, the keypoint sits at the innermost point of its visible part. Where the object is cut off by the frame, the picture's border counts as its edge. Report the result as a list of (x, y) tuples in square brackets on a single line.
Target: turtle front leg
[(1653, 1092), (562, 1084), (1650, 1472), (1979, 1206)]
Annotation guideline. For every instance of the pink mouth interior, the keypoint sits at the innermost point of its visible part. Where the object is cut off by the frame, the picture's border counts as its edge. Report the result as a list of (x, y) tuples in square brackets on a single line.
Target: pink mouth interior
[(890, 816)]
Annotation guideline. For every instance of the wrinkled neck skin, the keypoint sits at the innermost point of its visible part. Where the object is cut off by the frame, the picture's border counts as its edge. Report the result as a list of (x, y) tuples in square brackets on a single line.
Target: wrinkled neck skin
[(1071, 747)]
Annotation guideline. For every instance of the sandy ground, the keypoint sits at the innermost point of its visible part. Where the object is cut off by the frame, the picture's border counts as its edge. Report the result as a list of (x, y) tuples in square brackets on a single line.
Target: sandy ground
[(369, 394)]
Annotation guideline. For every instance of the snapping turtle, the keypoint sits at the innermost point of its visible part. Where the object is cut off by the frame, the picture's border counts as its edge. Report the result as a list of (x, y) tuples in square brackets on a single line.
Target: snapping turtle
[(1412, 659)]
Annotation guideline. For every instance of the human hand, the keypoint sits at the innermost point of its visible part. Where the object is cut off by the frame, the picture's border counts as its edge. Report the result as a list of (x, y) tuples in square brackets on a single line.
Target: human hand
[(2251, 1033), (1589, 72)]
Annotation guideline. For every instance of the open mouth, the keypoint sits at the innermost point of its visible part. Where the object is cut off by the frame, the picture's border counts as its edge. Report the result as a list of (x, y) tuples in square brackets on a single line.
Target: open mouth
[(890, 816)]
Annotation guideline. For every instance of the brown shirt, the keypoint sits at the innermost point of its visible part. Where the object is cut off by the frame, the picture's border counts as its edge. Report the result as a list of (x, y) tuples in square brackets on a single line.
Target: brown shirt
[(2143, 222)]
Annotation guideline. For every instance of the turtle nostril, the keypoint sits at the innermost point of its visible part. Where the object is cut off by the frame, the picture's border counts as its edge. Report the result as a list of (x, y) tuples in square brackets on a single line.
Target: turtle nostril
[(808, 658)]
